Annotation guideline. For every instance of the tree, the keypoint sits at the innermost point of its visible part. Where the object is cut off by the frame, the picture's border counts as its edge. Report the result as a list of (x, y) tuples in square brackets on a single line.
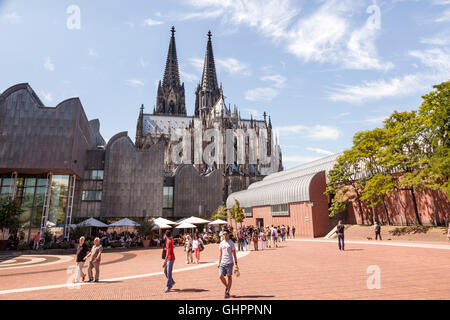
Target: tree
[(145, 229), (220, 213), (9, 216), (345, 183), (237, 213), (376, 190)]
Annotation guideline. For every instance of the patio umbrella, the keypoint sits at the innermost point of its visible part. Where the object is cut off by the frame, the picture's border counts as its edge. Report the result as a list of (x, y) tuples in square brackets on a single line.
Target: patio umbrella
[(185, 225), (218, 222), (91, 222), (124, 223), (162, 226), (196, 220), (163, 221)]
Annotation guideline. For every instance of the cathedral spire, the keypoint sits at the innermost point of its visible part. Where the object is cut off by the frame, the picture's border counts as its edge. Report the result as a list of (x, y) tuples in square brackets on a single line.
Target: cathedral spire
[(208, 91), (171, 74), (209, 77), (170, 98)]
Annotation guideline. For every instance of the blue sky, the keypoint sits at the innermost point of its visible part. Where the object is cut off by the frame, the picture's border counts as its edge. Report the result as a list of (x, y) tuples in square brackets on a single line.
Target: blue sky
[(322, 69)]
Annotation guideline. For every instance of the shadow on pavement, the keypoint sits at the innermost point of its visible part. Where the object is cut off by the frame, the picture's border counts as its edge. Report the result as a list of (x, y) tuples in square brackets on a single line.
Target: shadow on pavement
[(251, 297), (189, 290), (354, 250)]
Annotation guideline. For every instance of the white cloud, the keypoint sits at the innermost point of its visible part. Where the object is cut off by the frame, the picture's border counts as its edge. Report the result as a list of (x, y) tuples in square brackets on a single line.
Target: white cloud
[(252, 112), (12, 18), (445, 17), (92, 52), (438, 62), (134, 83), (48, 64), (188, 77), (277, 79), (317, 132), (144, 64), (149, 22), (441, 39), (197, 63), (299, 159), (327, 35), (233, 66), (261, 94), (48, 97), (321, 151), (206, 14)]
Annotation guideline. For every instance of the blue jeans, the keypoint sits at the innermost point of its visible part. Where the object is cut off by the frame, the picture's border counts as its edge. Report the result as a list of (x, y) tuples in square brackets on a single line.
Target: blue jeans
[(341, 239), (240, 244), (168, 273)]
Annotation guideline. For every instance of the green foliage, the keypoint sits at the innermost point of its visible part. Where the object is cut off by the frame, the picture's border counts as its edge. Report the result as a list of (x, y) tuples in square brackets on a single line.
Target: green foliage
[(78, 232), (236, 212), (220, 213), (145, 229), (414, 145), (9, 215), (23, 246)]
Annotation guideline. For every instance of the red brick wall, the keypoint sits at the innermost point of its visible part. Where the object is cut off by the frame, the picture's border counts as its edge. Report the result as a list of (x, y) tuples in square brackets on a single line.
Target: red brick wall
[(321, 219), (433, 207)]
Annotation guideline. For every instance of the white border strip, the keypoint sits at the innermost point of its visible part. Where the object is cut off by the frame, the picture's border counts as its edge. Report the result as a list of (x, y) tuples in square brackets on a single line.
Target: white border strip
[(382, 243)]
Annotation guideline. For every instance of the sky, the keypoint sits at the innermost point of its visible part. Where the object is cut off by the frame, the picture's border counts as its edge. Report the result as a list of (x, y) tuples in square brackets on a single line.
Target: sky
[(323, 70)]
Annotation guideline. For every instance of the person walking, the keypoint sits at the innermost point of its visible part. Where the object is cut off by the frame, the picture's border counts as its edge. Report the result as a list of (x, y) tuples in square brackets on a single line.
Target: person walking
[(274, 237), (169, 261), (262, 237), (377, 230), (340, 233), (240, 236), (227, 251), (288, 232), (269, 237), (37, 238), (196, 247), (188, 249), (94, 263), (82, 251), (255, 240), (293, 232), (283, 233)]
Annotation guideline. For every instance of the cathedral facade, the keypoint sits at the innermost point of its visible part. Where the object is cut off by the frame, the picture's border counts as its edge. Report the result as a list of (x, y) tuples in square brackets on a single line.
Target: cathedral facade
[(215, 137)]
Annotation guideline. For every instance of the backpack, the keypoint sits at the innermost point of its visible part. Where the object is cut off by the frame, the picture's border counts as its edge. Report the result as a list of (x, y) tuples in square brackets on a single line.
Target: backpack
[(164, 253), (273, 233), (201, 247)]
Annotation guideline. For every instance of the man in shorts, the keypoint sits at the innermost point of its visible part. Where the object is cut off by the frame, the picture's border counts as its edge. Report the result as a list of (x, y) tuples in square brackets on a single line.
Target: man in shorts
[(227, 251)]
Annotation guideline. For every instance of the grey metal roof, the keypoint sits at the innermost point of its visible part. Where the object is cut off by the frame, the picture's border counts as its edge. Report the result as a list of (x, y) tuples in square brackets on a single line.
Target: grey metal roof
[(283, 187), (323, 164), (280, 192)]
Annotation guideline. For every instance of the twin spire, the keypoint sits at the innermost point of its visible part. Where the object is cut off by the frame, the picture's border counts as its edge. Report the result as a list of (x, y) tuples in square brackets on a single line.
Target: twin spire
[(170, 98)]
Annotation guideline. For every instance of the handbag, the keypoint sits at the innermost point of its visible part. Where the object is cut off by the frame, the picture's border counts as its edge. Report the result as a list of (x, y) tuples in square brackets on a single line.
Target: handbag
[(201, 247), (164, 253)]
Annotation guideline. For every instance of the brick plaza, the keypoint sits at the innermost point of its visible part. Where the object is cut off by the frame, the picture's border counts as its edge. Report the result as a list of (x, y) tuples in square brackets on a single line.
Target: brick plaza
[(305, 269)]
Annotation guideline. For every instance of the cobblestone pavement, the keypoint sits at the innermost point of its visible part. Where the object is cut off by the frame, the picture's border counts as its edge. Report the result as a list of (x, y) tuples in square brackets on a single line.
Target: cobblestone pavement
[(295, 270)]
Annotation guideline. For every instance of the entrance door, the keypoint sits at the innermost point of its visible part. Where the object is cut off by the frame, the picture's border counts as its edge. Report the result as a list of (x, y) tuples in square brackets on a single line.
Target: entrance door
[(260, 222)]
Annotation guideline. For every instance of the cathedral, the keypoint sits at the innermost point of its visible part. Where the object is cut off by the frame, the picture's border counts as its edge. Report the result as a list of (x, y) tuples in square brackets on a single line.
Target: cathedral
[(169, 118)]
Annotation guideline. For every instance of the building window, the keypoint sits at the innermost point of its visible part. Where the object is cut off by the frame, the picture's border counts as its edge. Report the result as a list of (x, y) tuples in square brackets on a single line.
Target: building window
[(93, 175), (280, 210), (91, 195), (248, 212), (168, 198)]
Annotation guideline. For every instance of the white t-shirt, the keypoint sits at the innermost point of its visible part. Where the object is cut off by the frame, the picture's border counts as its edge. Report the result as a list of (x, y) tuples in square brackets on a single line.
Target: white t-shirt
[(194, 244), (227, 249)]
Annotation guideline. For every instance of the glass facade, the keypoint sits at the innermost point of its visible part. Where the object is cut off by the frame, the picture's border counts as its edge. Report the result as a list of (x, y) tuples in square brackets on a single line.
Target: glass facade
[(168, 198), (280, 210), (30, 194)]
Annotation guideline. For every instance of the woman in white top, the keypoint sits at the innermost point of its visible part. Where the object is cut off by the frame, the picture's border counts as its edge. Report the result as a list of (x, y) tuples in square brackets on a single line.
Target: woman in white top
[(196, 247)]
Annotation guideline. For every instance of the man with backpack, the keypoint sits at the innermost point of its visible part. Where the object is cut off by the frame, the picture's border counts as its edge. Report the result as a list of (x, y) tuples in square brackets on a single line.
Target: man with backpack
[(377, 230), (274, 236)]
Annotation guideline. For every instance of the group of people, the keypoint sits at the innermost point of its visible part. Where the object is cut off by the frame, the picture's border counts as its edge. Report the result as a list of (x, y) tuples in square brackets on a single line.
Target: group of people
[(227, 257), (93, 256), (268, 237)]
